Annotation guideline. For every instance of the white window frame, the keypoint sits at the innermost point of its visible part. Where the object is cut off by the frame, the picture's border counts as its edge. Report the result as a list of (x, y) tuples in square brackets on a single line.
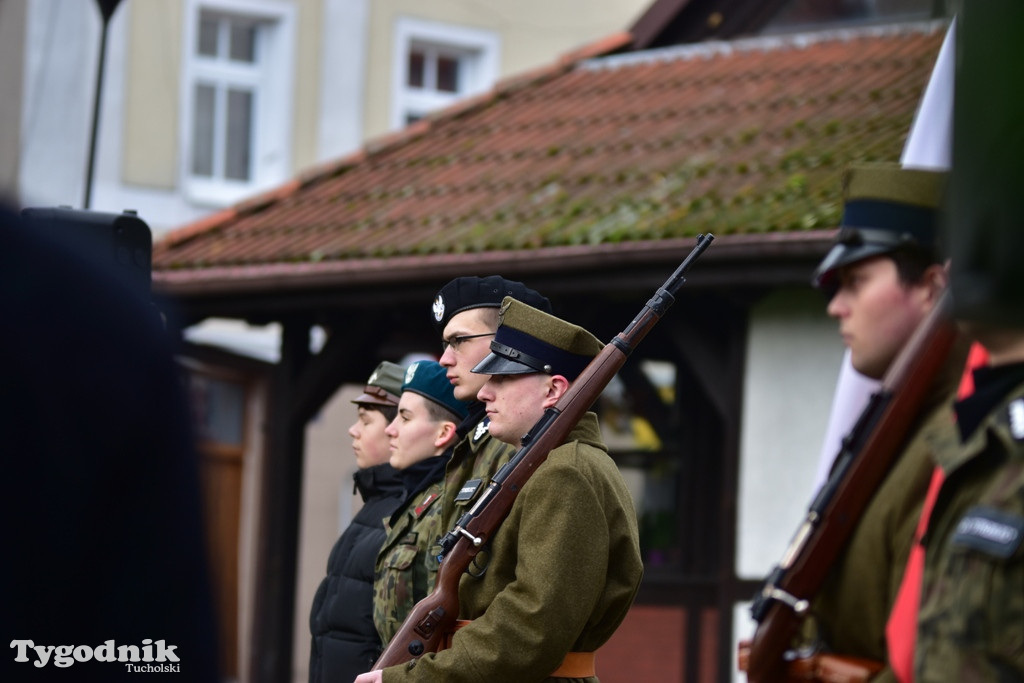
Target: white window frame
[(478, 52), (272, 83)]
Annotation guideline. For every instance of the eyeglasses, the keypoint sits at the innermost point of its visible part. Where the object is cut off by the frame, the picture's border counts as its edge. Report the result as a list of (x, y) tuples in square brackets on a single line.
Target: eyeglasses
[(455, 342)]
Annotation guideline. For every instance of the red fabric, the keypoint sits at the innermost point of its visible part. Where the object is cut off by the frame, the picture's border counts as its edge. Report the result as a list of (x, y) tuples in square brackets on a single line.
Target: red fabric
[(976, 357), (901, 629)]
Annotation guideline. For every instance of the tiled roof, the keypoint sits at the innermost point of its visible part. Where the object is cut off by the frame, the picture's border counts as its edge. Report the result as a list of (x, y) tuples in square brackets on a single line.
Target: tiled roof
[(744, 139)]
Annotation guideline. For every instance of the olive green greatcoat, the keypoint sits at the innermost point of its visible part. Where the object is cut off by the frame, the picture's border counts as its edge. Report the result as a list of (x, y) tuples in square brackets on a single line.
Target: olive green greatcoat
[(971, 617), (853, 605), (564, 568), (406, 571)]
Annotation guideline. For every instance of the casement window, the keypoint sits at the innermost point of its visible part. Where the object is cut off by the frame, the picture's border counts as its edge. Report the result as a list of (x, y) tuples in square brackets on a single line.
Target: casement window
[(437, 64), (235, 109)]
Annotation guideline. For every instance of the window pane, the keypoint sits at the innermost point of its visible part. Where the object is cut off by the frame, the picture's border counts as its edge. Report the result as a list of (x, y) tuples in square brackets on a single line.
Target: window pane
[(243, 41), (207, 35), (417, 62), (411, 117), (218, 409), (202, 131), (239, 134), (635, 428), (654, 485), (447, 74)]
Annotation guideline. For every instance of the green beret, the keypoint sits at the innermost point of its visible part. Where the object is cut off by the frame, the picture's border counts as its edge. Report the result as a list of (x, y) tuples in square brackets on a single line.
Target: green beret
[(529, 340), (384, 386), (428, 378), (885, 207)]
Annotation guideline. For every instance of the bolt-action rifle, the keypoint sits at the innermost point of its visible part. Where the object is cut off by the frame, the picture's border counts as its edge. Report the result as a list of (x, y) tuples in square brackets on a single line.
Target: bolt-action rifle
[(433, 618), (865, 457)]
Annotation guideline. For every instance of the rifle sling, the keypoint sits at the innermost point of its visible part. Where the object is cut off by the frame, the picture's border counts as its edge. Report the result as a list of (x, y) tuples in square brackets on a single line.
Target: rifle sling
[(575, 664)]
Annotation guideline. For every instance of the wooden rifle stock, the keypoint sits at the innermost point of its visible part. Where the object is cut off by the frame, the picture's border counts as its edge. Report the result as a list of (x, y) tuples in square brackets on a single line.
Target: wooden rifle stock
[(821, 667), (864, 459), (433, 618)]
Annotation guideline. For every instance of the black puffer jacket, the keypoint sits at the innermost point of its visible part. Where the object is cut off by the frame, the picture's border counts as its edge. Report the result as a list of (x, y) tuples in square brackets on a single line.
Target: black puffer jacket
[(345, 642)]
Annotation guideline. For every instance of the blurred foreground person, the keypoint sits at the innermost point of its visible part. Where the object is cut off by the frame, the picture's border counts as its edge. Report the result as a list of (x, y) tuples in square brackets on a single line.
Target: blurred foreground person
[(883, 277), (104, 561)]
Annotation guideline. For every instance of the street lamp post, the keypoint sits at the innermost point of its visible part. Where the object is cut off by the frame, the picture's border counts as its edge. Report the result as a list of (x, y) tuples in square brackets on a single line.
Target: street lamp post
[(107, 9)]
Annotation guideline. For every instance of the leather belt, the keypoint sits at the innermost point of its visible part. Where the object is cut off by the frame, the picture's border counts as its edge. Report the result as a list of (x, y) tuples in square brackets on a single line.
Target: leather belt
[(575, 664)]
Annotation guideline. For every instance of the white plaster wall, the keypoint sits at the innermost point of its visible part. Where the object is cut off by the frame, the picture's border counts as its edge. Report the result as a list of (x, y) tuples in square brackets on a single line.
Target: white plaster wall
[(62, 49), (342, 77), (793, 360), (328, 505)]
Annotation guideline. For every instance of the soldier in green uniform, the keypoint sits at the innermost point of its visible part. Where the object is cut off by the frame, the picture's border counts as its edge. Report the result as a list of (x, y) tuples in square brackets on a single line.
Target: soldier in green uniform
[(883, 276), (465, 313), (422, 436), (565, 564), (971, 613), (971, 617)]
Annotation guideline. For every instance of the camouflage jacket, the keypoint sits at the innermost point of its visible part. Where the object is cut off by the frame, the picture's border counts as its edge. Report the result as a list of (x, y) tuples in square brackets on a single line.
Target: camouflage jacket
[(476, 458), (406, 564), (563, 570), (971, 618)]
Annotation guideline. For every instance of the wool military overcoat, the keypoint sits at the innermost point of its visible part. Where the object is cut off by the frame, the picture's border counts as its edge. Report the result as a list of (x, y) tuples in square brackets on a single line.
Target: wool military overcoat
[(563, 571)]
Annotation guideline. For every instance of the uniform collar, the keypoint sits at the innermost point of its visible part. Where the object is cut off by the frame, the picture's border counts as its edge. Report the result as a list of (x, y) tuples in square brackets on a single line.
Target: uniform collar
[(372, 481), (477, 410), (991, 386)]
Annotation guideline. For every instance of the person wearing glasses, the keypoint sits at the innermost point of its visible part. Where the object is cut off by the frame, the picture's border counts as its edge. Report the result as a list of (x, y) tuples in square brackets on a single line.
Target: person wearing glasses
[(565, 564), (421, 437), (465, 313)]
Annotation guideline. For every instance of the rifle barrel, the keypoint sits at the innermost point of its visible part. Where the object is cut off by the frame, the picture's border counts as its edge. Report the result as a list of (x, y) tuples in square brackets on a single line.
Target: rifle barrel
[(434, 616)]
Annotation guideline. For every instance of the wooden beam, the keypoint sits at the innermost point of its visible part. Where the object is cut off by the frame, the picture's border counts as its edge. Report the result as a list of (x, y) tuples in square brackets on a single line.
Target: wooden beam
[(277, 539)]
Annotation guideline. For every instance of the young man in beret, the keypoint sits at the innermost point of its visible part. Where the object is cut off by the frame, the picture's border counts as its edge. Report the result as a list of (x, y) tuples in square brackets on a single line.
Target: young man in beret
[(421, 436), (883, 276), (345, 641), (565, 564), (465, 313)]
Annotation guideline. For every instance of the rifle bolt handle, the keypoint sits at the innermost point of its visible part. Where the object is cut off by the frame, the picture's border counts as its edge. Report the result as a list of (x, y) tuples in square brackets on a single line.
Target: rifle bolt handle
[(796, 604), (475, 540)]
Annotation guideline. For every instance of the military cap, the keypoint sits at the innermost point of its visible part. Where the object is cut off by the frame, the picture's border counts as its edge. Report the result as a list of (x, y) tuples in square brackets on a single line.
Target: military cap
[(885, 208), (428, 379), (529, 340), (465, 293), (384, 386)]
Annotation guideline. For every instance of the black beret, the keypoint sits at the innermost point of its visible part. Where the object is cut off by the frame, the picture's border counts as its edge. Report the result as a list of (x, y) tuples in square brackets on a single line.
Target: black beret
[(465, 293)]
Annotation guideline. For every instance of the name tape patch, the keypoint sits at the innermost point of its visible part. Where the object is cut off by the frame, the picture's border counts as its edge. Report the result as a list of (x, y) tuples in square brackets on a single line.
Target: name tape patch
[(990, 531), (468, 490)]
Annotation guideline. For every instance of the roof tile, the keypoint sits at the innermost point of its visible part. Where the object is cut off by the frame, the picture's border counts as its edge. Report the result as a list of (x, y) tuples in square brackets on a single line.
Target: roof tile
[(741, 138)]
